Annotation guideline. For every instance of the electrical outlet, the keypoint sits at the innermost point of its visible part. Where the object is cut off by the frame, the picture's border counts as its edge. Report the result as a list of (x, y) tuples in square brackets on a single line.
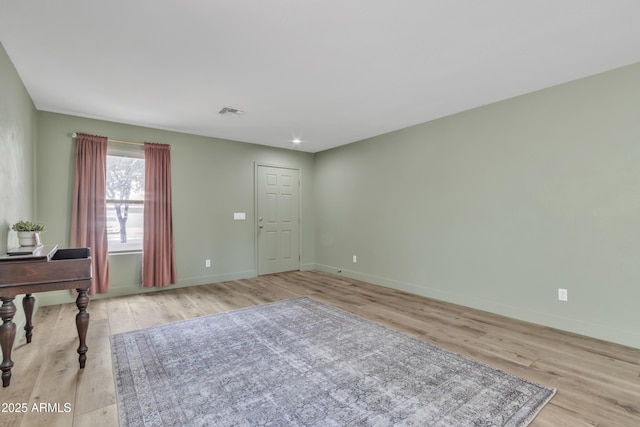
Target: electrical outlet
[(563, 294), (207, 263), (355, 259)]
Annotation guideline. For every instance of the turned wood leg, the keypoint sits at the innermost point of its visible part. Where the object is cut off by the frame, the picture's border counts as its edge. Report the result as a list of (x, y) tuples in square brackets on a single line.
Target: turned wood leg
[(82, 323), (27, 304), (7, 336)]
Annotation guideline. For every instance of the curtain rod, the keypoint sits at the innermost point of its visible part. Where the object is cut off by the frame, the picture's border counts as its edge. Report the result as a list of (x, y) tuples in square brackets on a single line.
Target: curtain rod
[(74, 135)]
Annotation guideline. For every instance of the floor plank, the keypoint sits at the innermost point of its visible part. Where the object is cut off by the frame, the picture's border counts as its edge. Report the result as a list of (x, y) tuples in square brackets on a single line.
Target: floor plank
[(598, 382)]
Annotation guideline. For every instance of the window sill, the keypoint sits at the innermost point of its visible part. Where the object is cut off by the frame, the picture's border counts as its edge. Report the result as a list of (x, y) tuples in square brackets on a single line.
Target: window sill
[(132, 252)]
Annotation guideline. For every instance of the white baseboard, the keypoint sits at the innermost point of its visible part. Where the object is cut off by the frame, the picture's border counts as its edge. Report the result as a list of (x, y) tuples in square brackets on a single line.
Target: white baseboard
[(65, 297), (577, 326)]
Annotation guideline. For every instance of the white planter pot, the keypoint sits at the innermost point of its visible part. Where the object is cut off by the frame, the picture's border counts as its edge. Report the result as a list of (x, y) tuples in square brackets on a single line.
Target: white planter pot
[(28, 238)]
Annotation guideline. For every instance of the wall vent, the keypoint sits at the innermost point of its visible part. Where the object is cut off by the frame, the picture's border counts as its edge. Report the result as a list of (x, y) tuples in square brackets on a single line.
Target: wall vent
[(231, 111)]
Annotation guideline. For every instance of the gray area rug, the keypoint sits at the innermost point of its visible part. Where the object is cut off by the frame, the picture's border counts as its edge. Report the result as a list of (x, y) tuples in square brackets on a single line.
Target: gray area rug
[(299, 362)]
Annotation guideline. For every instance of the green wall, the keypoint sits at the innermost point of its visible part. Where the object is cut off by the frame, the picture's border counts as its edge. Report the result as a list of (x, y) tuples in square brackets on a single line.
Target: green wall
[(212, 179), (498, 207), (17, 148)]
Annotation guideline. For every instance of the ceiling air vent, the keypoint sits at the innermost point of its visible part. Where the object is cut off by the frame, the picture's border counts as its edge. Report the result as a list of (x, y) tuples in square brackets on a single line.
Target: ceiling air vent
[(231, 111)]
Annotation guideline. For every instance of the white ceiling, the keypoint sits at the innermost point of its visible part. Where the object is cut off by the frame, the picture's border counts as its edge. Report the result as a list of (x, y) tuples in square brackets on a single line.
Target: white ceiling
[(329, 72)]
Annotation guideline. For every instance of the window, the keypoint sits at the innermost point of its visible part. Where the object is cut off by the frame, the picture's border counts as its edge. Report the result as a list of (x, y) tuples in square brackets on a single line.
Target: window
[(125, 199)]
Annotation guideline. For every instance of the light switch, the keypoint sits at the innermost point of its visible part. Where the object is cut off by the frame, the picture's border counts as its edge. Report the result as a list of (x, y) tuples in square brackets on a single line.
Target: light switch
[(239, 216)]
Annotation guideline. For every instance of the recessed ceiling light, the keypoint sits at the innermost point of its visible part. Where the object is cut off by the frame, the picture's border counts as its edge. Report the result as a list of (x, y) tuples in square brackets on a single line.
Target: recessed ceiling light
[(296, 140)]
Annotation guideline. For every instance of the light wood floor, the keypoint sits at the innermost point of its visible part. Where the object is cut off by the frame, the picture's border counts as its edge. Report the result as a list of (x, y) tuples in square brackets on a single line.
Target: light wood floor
[(598, 383)]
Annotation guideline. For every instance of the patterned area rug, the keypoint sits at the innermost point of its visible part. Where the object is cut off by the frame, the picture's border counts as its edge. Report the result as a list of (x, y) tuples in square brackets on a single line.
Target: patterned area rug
[(299, 362)]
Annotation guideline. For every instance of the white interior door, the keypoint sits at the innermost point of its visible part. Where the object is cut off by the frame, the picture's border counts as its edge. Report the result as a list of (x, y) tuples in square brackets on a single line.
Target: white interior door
[(278, 217)]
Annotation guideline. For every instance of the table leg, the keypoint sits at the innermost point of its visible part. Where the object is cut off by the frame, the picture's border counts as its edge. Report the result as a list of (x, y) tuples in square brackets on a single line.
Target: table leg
[(82, 323), (7, 337), (27, 304)]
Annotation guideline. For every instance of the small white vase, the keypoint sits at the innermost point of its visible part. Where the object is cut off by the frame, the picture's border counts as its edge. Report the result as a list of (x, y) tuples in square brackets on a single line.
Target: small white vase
[(28, 238)]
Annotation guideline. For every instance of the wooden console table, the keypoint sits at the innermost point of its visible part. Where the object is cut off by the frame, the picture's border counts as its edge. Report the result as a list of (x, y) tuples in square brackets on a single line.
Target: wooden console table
[(45, 268)]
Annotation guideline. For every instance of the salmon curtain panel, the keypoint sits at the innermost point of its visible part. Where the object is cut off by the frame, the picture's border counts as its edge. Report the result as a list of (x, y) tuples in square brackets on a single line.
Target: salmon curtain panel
[(158, 260), (89, 212)]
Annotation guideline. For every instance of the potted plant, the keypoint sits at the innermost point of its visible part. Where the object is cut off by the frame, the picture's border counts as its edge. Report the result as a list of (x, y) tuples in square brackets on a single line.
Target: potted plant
[(28, 232)]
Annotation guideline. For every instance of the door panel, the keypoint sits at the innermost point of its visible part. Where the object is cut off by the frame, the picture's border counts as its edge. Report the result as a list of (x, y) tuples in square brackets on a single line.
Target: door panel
[(278, 219)]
